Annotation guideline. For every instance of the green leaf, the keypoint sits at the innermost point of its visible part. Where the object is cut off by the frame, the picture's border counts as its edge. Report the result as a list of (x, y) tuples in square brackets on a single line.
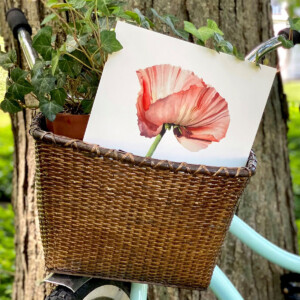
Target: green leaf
[(190, 28), (43, 84), (213, 25), (102, 5), (17, 74), (61, 79), (51, 2), (77, 4), (285, 43), (10, 106), (87, 105), (72, 44), (144, 22), (58, 96), (37, 69), (69, 66), (120, 13), (49, 18), (109, 42), (203, 33), (50, 108), (21, 86), (133, 16), (8, 60), (295, 23), (169, 20), (237, 54), (42, 42), (54, 61)]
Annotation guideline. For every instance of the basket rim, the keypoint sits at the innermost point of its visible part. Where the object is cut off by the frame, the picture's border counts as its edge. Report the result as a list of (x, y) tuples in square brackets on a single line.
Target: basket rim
[(39, 134)]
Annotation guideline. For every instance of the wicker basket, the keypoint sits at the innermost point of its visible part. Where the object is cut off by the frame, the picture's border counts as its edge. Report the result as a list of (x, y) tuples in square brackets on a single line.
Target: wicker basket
[(110, 214)]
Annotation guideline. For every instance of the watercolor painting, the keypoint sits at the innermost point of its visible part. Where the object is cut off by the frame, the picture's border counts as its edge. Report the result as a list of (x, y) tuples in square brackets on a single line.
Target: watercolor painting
[(181, 100), (174, 100)]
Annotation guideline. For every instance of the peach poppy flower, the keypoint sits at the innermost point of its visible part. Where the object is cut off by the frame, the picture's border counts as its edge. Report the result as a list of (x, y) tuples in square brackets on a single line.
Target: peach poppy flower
[(170, 95)]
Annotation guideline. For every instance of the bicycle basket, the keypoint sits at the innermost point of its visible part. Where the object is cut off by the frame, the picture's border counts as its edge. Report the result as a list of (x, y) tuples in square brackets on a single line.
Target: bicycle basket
[(111, 214)]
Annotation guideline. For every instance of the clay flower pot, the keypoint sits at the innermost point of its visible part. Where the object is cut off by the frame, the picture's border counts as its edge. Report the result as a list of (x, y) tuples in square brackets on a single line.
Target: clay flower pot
[(72, 126)]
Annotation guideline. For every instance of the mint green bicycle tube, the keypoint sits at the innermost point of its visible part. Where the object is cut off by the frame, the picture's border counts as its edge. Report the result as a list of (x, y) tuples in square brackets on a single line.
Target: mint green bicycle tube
[(138, 291), (222, 286), (263, 247)]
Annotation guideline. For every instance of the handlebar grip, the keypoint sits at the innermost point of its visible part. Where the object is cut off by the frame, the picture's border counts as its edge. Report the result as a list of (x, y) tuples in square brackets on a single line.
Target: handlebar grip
[(286, 33), (16, 19)]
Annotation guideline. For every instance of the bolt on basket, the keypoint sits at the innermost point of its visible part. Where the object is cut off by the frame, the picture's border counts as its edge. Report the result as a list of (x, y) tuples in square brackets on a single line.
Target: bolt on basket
[(111, 214)]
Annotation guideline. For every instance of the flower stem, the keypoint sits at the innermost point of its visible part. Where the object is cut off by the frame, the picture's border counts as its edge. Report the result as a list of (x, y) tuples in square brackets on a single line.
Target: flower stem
[(156, 142)]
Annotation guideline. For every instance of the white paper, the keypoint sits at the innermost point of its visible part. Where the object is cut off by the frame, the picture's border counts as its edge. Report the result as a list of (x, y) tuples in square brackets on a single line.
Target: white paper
[(113, 122)]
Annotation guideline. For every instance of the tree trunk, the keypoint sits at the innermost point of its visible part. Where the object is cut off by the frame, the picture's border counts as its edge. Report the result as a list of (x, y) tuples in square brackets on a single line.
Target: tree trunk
[(29, 260), (267, 204)]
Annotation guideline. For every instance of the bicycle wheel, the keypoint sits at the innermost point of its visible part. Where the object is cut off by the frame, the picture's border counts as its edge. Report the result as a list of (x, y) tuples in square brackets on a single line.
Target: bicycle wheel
[(94, 289)]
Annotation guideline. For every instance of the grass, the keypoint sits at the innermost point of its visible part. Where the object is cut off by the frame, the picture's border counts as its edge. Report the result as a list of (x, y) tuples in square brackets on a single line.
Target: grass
[(292, 90)]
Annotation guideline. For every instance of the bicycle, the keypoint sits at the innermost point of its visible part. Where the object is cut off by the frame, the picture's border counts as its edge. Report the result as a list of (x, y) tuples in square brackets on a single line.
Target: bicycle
[(88, 288)]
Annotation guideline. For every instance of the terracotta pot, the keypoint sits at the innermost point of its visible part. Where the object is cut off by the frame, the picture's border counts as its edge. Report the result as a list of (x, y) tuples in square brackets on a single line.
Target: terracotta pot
[(72, 126)]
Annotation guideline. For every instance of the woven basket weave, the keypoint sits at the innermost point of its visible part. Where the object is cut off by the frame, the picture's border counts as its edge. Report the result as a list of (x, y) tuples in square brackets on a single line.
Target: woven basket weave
[(111, 214)]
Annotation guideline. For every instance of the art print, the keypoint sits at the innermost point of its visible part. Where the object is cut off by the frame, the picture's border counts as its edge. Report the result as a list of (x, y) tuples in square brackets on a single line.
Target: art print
[(202, 107)]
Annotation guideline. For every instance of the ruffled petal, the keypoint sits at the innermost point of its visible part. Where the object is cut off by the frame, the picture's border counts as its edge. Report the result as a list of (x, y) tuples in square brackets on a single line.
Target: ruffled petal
[(158, 82), (200, 113)]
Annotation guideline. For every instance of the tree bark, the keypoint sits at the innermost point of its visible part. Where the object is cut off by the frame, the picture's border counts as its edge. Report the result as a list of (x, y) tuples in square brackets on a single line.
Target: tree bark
[(267, 204), (29, 259)]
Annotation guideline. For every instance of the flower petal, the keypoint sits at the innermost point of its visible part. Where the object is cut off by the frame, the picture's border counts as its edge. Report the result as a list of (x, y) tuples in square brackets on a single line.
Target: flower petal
[(159, 82), (200, 112)]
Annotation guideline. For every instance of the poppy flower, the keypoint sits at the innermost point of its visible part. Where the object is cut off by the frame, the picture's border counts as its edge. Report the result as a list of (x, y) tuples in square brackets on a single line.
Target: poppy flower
[(171, 95)]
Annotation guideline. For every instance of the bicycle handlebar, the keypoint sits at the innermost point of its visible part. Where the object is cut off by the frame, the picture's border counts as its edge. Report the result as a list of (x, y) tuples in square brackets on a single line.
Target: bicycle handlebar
[(16, 20), (286, 33)]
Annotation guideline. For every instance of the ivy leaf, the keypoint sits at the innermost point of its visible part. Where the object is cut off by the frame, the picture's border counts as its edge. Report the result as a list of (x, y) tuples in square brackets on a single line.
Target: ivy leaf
[(21, 86), (37, 69), (49, 18), (295, 23), (17, 74), (61, 79), (120, 13), (102, 5), (285, 43), (133, 16), (9, 104), (190, 28), (109, 41), (87, 105), (43, 83), (205, 33), (51, 2), (50, 108), (213, 25), (42, 42), (237, 54), (8, 60), (77, 4), (69, 66), (144, 22), (58, 96), (169, 21), (72, 44), (54, 61)]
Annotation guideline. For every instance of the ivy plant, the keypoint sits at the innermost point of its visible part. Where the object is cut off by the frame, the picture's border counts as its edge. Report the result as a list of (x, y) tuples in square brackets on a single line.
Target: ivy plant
[(65, 78)]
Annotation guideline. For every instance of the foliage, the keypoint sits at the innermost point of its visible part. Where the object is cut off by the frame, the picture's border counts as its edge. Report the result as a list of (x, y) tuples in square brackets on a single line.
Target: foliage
[(6, 153), (6, 146), (75, 63), (7, 253), (292, 90)]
